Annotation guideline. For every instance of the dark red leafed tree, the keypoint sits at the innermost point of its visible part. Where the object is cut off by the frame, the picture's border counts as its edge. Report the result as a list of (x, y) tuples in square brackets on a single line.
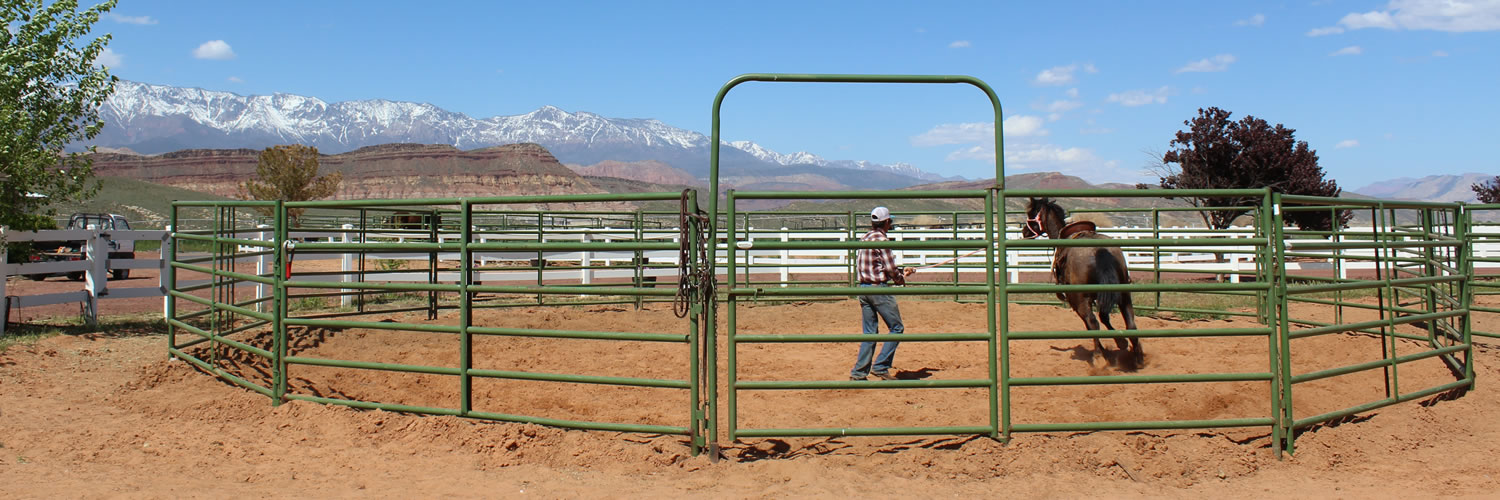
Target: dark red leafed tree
[(1216, 153), (1488, 191)]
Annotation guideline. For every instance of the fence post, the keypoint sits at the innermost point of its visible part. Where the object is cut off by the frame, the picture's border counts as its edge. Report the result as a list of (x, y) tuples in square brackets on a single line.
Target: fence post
[(4, 277), (786, 257), (899, 254), (164, 266), (1014, 271), (956, 258), (94, 278), (346, 266), (586, 260), (260, 268), (1234, 266)]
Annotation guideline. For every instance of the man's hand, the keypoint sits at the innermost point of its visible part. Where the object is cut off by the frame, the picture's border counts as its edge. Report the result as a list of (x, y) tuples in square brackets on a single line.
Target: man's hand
[(909, 271)]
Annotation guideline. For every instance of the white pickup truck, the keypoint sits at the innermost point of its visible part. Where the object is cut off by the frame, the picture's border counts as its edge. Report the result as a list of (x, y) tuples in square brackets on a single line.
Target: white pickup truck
[(74, 250)]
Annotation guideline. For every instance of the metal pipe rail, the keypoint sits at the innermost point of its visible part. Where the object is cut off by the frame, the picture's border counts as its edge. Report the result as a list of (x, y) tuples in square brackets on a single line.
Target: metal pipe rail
[(466, 244), (1425, 262)]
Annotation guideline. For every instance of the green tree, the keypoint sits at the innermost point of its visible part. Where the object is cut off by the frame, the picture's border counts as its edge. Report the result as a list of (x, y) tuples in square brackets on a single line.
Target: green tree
[(1488, 191), (290, 173), (51, 88), (1216, 153)]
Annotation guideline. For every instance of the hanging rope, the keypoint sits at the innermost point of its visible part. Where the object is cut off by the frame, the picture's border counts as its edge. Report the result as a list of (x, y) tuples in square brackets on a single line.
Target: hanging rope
[(692, 285), (949, 261)]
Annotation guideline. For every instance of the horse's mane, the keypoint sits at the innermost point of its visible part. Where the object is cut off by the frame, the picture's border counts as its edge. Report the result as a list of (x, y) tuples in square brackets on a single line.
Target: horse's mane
[(1049, 205)]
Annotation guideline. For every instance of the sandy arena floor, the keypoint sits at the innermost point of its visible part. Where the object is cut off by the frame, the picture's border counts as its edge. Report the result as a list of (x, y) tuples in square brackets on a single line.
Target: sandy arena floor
[(96, 416)]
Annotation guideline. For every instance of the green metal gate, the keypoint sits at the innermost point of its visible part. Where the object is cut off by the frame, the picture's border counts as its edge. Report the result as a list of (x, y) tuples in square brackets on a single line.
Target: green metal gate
[(455, 237), (1484, 267)]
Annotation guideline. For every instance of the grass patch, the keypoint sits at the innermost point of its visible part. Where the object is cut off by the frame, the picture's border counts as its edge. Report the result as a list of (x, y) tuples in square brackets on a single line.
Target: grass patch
[(145, 204), (125, 325)]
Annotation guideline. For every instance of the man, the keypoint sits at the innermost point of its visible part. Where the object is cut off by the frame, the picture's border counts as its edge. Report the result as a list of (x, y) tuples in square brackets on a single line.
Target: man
[(876, 267)]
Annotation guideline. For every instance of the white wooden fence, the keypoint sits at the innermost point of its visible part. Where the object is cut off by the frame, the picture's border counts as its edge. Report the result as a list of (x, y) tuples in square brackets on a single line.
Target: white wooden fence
[(95, 269), (1231, 261)]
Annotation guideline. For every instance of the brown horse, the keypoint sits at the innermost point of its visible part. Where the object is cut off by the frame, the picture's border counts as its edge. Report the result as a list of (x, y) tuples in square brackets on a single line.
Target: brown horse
[(1086, 265)]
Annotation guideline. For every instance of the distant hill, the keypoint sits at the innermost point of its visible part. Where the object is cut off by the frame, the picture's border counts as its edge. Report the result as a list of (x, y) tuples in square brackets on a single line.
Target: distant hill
[(387, 171), (1445, 188), (144, 204), (648, 171)]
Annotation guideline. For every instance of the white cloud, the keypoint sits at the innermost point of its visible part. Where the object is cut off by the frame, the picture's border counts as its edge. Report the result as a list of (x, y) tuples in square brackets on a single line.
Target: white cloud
[(1255, 20), (214, 49), (1023, 149), (1133, 98), (1216, 63), (1373, 19), (1331, 30), (1062, 75), (235, 79), (1439, 53), (1023, 126), (1438, 15), (959, 44), (954, 133), (1081, 162), (1346, 143), (110, 59), (1028, 156), (1073, 92), (1052, 117), (147, 20), (1063, 105), (980, 132), (1352, 50)]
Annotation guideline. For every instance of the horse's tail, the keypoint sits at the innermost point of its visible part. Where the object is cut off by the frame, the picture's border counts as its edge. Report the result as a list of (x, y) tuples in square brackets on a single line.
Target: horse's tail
[(1106, 272)]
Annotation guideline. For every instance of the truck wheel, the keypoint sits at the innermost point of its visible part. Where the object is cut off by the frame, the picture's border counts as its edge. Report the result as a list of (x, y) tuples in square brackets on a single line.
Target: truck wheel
[(119, 274), (76, 276)]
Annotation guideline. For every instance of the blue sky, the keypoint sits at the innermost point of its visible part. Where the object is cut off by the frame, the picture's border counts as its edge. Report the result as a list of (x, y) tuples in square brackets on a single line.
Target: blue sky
[(1380, 89)]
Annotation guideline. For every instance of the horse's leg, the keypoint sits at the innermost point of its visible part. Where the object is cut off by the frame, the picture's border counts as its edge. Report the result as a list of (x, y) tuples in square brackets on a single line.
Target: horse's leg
[(1128, 311), (1119, 341), (1083, 306)]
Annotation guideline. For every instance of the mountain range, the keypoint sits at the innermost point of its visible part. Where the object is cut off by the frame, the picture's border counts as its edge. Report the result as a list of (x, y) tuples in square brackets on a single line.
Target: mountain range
[(153, 119), (1445, 188), (157, 119)]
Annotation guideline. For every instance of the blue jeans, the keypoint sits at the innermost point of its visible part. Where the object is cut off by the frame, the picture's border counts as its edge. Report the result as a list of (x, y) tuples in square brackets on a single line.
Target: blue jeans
[(870, 306)]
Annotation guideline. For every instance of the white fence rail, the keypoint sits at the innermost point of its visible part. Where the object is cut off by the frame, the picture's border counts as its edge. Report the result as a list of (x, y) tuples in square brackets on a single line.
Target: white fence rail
[(1231, 261)]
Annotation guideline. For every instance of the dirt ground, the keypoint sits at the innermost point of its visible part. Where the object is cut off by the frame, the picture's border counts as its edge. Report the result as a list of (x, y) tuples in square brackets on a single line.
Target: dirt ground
[(101, 415)]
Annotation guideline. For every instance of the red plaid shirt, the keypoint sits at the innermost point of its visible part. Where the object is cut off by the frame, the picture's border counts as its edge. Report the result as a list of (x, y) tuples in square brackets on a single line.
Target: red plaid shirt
[(875, 265)]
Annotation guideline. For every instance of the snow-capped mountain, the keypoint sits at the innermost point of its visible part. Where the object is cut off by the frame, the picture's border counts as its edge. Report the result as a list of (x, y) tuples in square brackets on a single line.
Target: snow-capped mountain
[(798, 158), (153, 119)]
